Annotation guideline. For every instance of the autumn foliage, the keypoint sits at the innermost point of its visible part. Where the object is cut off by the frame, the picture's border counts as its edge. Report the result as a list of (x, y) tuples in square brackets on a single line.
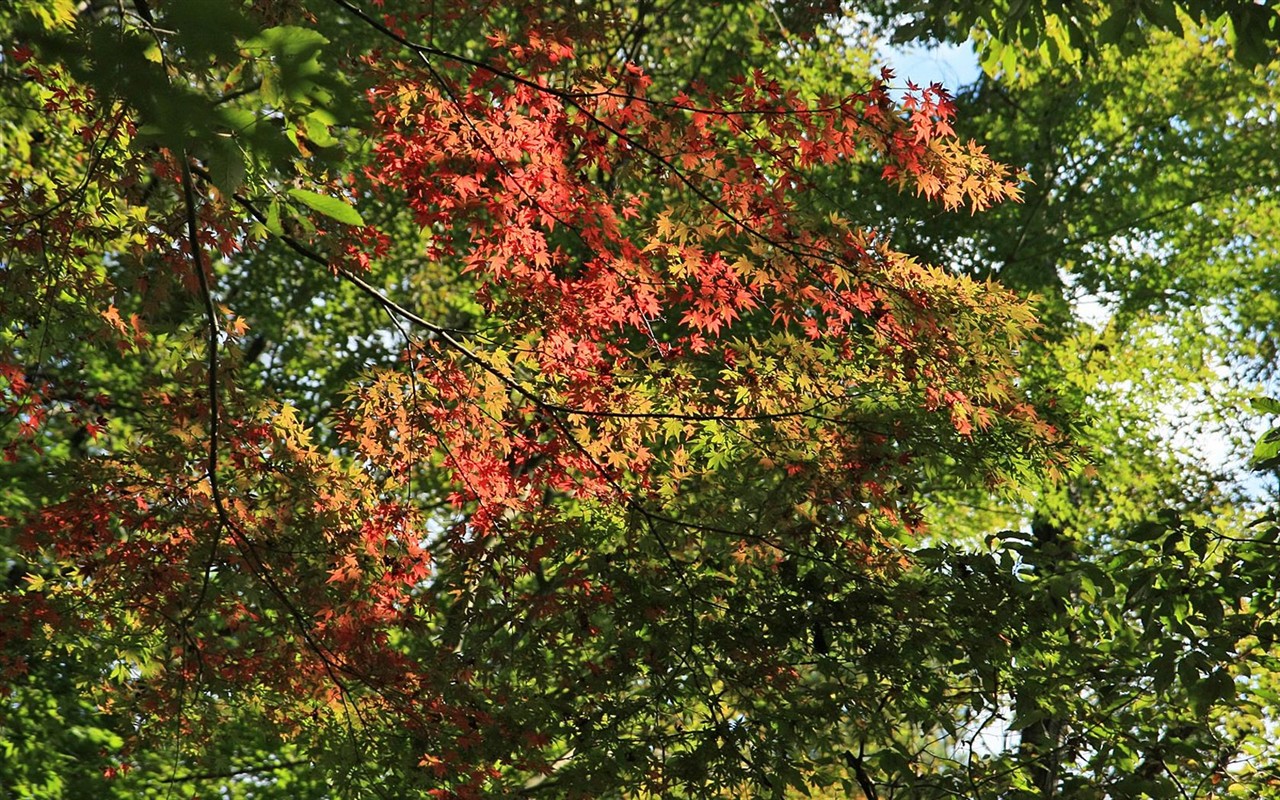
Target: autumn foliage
[(610, 531)]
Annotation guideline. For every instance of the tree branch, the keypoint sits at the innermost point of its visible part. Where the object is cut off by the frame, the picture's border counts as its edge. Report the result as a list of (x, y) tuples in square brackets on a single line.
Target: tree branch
[(235, 772)]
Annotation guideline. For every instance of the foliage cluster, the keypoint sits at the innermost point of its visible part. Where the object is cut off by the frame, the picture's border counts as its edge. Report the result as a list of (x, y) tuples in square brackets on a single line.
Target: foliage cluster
[(612, 400)]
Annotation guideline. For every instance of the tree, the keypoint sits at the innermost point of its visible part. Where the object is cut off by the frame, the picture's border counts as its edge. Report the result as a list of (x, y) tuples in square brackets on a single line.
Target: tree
[(1145, 164), (598, 518), (1036, 31), (529, 417)]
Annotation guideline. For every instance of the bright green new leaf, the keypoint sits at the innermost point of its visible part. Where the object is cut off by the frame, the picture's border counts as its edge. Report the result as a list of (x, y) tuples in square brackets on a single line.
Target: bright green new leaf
[(331, 207)]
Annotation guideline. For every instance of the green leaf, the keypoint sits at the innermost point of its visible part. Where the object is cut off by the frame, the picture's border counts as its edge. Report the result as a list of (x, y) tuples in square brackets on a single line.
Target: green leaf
[(331, 207), (316, 125), (226, 165), (1148, 530), (1267, 450), (1112, 30), (289, 41), (1249, 25), (1028, 719), (1265, 405), (1162, 14), (1217, 687), (207, 28), (273, 219), (296, 53)]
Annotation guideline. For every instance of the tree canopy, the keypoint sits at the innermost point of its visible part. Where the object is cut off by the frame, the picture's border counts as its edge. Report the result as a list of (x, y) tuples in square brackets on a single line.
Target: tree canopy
[(406, 399)]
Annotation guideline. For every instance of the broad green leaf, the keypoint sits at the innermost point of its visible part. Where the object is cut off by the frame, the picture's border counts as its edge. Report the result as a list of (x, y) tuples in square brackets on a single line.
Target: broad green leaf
[(331, 207), (273, 219), (226, 164), (1148, 530), (1265, 405)]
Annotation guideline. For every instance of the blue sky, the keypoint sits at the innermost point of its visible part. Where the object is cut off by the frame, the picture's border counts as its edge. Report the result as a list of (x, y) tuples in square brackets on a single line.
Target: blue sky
[(951, 65)]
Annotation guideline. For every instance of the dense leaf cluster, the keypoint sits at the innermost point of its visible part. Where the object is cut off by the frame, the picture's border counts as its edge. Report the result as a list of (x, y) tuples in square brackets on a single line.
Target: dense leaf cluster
[(601, 400)]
